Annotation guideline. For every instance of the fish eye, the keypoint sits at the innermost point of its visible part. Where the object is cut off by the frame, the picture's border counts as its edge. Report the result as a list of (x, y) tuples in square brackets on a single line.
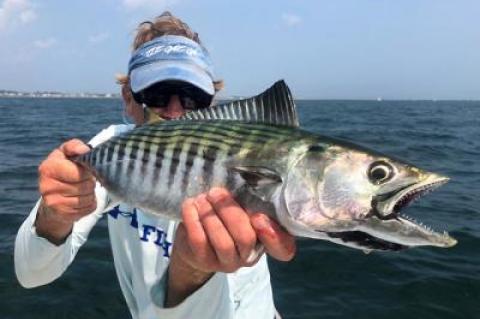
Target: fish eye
[(380, 172)]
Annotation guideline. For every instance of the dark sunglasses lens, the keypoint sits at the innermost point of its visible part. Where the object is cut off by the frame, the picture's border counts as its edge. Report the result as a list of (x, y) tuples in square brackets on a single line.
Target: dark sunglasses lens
[(188, 103), (157, 100), (159, 95), (195, 99), (151, 98)]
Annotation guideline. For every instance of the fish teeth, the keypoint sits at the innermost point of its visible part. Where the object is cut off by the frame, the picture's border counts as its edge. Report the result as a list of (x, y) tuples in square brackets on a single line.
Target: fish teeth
[(426, 227), (416, 193)]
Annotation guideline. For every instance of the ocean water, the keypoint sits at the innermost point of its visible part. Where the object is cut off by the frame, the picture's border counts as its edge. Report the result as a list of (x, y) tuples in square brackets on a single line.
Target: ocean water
[(324, 280)]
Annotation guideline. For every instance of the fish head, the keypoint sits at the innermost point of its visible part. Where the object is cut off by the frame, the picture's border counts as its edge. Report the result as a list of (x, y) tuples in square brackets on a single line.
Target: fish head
[(354, 197)]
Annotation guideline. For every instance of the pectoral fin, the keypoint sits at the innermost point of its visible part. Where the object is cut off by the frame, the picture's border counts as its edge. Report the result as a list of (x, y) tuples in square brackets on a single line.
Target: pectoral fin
[(261, 181)]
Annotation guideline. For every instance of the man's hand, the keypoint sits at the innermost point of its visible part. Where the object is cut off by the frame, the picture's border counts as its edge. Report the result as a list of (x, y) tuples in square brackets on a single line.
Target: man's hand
[(67, 190), (217, 235)]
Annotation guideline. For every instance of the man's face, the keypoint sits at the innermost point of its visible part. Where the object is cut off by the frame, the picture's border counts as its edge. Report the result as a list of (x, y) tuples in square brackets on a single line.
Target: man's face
[(172, 110), (169, 99)]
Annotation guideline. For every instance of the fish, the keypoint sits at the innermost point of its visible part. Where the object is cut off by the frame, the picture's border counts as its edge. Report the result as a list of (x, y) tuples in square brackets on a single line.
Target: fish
[(315, 186)]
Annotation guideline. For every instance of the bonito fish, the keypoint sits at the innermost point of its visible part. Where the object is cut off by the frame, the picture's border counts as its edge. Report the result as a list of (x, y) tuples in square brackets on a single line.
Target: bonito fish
[(315, 186)]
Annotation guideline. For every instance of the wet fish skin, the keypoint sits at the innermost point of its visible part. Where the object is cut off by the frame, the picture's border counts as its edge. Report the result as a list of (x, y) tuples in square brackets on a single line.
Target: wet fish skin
[(156, 167), (315, 186)]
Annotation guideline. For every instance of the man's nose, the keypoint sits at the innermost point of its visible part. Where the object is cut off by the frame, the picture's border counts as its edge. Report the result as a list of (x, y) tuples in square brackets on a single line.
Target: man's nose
[(174, 108)]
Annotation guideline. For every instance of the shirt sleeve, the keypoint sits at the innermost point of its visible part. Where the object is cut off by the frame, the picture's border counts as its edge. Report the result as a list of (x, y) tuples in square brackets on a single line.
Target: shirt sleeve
[(38, 261)]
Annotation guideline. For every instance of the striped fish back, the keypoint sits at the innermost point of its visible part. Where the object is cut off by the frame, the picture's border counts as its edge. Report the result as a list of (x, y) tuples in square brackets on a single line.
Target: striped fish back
[(157, 166)]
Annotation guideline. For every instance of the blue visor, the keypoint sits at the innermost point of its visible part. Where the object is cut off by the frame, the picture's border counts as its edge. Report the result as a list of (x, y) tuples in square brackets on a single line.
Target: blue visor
[(171, 58)]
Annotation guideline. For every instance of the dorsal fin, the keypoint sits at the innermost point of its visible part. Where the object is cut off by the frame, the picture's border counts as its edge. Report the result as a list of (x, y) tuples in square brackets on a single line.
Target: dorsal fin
[(273, 106)]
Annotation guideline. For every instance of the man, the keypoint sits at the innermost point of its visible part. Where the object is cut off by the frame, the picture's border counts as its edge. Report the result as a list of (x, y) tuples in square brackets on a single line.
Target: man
[(170, 73)]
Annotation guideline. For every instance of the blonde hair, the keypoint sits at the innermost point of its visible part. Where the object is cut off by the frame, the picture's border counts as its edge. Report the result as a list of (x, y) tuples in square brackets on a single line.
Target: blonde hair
[(164, 24)]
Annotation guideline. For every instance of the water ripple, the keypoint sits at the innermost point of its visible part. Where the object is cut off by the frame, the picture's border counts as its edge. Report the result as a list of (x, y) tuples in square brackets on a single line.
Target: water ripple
[(324, 280)]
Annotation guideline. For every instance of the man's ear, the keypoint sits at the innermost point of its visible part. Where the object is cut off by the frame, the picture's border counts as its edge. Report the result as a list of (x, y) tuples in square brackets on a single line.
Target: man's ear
[(132, 108), (127, 94)]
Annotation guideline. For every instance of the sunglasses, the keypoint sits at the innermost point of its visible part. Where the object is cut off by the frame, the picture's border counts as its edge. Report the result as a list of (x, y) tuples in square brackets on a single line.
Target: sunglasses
[(158, 95)]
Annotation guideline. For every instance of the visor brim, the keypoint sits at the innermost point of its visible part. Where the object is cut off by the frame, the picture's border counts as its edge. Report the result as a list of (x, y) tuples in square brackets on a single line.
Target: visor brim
[(150, 74)]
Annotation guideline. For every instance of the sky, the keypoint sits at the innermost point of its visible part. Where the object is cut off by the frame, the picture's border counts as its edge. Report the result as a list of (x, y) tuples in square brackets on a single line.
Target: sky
[(324, 49)]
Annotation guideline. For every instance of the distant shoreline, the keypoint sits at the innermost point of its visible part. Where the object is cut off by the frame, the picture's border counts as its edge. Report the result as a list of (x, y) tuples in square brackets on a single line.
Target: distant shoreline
[(114, 97), (60, 95), (45, 94)]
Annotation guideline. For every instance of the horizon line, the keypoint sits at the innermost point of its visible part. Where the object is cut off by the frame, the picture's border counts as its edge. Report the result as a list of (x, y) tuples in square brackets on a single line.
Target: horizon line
[(5, 93)]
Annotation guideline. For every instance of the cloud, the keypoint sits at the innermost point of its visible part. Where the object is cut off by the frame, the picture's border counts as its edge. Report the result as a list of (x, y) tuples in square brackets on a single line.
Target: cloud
[(45, 43), (291, 20), (14, 11), (27, 16), (98, 38), (136, 4)]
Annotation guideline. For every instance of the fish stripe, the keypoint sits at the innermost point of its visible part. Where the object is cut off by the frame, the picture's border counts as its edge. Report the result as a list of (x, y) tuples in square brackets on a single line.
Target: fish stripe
[(216, 143), (248, 142), (164, 171), (173, 125), (109, 153), (113, 168), (133, 145), (192, 153), (149, 181), (177, 150), (183, 156), (138, 167), (181, 171), (101, 157), (125, 166), (209, 156), (157, 155), (237, 132), (233, 135), (105, 159), (229, 149)]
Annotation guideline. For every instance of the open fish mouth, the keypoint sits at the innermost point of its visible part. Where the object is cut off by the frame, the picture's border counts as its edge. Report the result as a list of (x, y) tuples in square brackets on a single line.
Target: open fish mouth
[(389, 205), (387, 229)]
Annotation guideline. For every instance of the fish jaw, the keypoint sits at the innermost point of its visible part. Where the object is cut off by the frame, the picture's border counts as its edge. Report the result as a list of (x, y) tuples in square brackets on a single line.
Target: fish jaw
[(387, 205), (389, 225), (375, 234), (404, 232)]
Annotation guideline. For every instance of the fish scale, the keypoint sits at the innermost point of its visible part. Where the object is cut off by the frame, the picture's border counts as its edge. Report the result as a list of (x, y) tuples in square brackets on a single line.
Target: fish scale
[(180, 145)]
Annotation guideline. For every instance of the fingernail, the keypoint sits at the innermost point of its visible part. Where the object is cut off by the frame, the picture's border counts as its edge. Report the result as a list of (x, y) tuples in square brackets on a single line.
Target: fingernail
[(257, 251), (82, 149)]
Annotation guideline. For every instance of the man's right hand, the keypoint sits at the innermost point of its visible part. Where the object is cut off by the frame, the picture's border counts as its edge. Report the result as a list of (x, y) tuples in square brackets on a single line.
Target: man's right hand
[(67, 190)]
